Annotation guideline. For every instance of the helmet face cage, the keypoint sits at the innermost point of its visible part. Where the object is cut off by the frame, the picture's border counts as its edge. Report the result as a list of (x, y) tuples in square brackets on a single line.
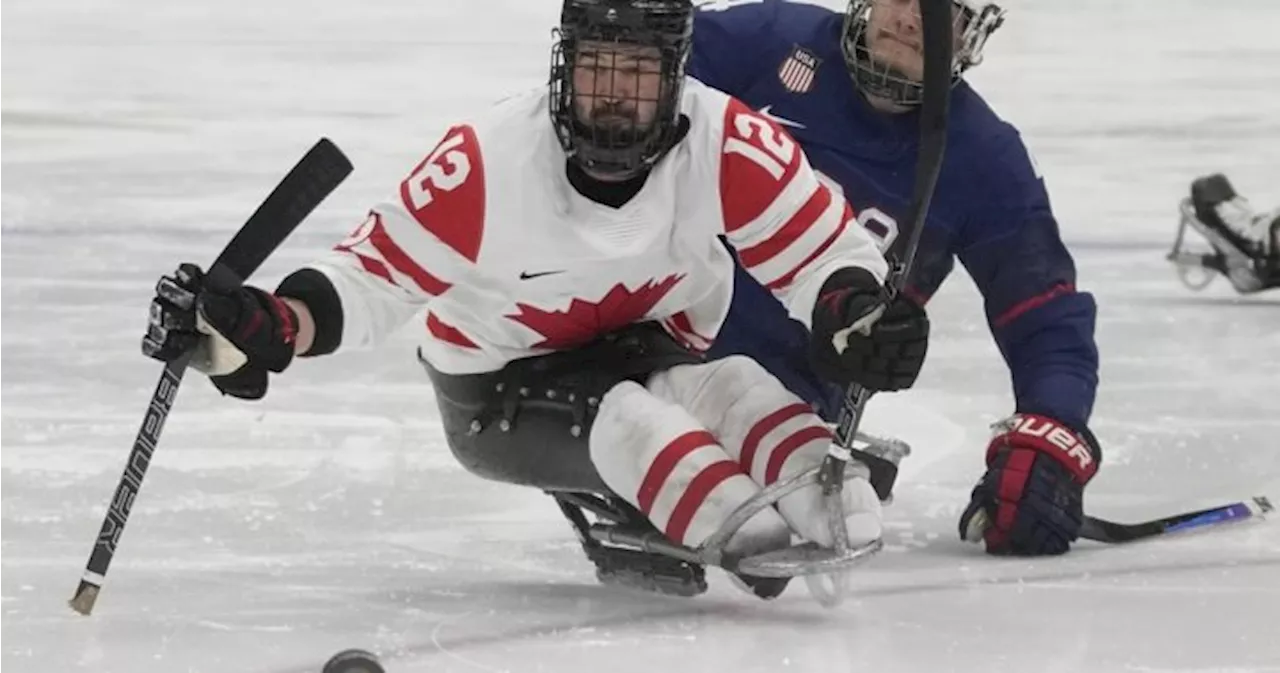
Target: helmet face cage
[(974, 22), (617, 74)]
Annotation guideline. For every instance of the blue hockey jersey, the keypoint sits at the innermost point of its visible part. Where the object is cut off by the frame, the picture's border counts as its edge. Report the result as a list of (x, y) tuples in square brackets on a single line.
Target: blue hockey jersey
[(990, 209)]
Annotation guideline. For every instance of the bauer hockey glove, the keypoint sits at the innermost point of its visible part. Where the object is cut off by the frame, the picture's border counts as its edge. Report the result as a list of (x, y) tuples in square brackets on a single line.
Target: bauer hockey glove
[(237, 335), (1030, 502), (850, 344)]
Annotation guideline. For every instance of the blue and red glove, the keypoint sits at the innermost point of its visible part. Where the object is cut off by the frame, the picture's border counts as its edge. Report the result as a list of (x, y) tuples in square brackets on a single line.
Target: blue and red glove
[(1030, 502)]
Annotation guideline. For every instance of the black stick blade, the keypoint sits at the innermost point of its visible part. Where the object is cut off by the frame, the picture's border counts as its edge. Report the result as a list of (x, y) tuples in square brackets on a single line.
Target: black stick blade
[(1101, 530), (316, 175)]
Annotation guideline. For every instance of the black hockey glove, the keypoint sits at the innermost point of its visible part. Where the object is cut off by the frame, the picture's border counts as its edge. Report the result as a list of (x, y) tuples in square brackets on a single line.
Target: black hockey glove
[(885, 356), (1031, 500), (237, 335)]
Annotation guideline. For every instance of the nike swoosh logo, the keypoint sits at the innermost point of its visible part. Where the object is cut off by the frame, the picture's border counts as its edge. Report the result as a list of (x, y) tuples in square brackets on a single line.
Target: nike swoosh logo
[(764, 112), (525, 275)]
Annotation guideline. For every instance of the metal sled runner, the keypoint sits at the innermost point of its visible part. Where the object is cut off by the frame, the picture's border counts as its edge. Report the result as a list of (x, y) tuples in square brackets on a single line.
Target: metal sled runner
[(627, 549), (1197, 268)]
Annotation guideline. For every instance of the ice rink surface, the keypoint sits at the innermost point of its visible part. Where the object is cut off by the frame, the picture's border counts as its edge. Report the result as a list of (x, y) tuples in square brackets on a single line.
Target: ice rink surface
[(137, 135)]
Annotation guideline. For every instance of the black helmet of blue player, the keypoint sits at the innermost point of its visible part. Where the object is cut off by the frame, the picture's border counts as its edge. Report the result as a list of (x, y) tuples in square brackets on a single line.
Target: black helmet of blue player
[(617, 75), (876, 77)]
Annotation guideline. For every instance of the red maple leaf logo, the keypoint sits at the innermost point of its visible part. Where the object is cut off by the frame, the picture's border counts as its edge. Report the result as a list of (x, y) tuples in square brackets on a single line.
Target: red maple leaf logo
[(583, 321)]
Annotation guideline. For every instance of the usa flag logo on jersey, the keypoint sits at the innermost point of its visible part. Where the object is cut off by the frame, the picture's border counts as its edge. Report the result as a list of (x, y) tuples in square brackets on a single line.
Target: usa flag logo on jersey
[(798, 70)]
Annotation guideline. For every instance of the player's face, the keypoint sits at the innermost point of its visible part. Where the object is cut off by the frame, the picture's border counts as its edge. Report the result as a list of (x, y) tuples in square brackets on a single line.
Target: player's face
[(894, 37), (617, 86)]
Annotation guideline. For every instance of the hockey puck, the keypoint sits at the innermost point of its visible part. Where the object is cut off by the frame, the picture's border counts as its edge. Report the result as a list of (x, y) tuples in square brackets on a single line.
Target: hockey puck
[(353, 661)]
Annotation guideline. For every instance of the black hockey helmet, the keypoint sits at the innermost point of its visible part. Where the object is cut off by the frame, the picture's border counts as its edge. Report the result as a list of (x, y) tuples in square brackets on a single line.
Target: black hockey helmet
[(617, 74), (975, 21)]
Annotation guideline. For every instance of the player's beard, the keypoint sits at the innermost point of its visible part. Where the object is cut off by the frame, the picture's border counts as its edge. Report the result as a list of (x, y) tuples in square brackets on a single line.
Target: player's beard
[(619, 122)]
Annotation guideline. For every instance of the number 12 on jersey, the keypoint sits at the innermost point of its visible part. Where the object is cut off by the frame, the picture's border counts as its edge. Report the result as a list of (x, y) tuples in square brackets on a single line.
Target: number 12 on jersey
[(773, 150), (444, 169)]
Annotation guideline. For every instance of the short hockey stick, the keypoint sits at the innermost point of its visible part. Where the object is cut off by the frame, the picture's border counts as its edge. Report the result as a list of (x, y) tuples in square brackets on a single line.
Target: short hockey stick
[(1101, 530), (935, 21), (936, 24), (319, 172)]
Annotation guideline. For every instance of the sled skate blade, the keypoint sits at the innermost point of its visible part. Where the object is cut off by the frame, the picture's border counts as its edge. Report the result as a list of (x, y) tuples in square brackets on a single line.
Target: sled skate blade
[(648, 572), (1229, 256), (646, 561), (1196, 268), (808, 558), (764, 588), (881, 457), (828, 590), (635, 564)]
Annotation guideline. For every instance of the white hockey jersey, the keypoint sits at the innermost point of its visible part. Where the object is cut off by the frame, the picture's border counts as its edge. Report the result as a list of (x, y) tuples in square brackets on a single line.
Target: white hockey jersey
[(507, 260)]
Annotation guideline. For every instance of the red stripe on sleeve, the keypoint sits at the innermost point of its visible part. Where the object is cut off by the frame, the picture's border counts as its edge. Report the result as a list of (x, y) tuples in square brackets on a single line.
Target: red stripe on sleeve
[(759, 160), (402, 262), (790, 276), (371, 265), (795, 227), (1037, 301)]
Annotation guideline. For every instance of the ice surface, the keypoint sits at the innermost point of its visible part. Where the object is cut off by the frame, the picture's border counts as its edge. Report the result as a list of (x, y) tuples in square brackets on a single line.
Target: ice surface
[(268, 536)]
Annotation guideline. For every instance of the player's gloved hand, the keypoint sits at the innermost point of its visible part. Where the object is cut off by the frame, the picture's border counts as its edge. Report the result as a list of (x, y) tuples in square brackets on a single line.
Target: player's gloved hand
[(857, 337), (1030, 501), (237, 335)]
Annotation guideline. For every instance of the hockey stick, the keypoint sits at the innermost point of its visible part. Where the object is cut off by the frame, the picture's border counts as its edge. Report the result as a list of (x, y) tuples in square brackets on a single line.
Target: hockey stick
[(319, 172), (1101, 530), (936, 24)]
